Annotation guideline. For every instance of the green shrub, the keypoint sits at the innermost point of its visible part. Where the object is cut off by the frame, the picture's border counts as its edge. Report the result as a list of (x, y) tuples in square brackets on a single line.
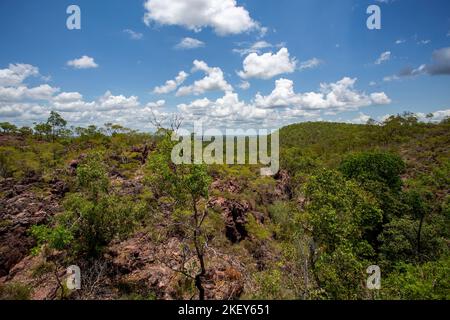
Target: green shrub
[(256, 229), (15, 291), (284, 216), (339, 211), (57, 238), (42, 269), (374, 166), (429, 281), (269, 283)]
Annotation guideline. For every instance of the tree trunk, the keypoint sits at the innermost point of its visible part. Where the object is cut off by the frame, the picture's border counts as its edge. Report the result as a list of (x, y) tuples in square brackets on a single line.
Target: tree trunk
[(419, 234), (200, 255)]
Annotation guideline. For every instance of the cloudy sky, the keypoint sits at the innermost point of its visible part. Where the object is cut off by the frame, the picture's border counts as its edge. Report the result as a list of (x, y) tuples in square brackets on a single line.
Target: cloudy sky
[(230, 63)]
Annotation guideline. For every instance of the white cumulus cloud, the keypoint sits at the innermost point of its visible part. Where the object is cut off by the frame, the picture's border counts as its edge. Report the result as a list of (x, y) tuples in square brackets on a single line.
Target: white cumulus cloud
[(339, 96), (225, 17), (254, 48), (267, 65), (229, 108), (41, 92), (15, 74), (157, 104), (189, 43), (310, 64), (244, 85), (111, 102), (213, 81), (171, 85), (85, 62)]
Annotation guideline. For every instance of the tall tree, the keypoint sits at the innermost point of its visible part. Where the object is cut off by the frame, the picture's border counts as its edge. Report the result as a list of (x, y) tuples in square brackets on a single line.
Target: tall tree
[(57, 124), (188, 185)]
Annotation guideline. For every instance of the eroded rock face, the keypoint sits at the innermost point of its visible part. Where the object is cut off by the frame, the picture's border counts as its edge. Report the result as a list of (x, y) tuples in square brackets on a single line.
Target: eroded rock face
[(283, 188), (59, 188), (14, 245), (144, 151), (235, 216), (20, 208), (44, 286), (73, 164), (230, 186), (146, 266)]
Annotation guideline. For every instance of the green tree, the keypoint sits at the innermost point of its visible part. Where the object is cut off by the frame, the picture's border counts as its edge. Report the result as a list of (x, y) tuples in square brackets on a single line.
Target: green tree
[(8, 127), (341, 215), (428, 281), (26, 131), (93, 215), (43, 129), (379, 173), (340, 273), (339, 209), (58, 238), (188, 185), (56, 123), (382, 167), (96, 215), (50, 241)]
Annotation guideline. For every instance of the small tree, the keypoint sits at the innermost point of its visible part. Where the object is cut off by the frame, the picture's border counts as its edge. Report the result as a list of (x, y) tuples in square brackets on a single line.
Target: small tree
[(8, 127), (341, 215), (25, 131), (380, 174), (48, 241), (188, 185), (96, 215), (56, 123), (374, 166), (93, 215), (42, 129)]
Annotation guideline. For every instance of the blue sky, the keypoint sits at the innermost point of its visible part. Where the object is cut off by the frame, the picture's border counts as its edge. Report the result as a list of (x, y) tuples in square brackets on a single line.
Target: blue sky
[(259, 63)]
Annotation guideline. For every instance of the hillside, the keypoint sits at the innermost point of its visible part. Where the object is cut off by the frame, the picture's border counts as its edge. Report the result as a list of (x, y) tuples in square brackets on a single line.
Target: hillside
[(139, 227)]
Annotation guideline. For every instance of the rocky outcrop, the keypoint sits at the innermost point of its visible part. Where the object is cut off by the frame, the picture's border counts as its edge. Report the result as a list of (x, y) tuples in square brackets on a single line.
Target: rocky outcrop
[(73, 164), (283, 189), (21, 208), (235, 217), (143, 151), (230, 186), (59, 188), (147, 266), (44, 286)]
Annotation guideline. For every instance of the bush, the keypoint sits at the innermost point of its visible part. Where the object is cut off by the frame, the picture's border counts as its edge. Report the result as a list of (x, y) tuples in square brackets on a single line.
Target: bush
[(57, 238), (15, 291), (6, 162), (374, 166), (398, 242), (269, 285), (341, 274), (93, 216), (428, 281), (284, 216), (94, 223), (17, 163), (339, 210)]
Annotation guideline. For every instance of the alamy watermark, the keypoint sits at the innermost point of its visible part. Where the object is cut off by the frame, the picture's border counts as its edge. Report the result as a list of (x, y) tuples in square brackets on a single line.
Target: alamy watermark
[(73, 281), (73, 22), (374, 280), (234, 146), (374, 20)]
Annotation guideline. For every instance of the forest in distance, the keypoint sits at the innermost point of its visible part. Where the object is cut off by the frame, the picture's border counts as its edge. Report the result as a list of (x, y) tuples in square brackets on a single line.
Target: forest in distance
[(110, 201)]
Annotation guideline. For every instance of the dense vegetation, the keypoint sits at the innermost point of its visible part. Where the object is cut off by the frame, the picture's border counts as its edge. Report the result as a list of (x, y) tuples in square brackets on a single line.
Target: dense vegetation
[(347, 197)]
